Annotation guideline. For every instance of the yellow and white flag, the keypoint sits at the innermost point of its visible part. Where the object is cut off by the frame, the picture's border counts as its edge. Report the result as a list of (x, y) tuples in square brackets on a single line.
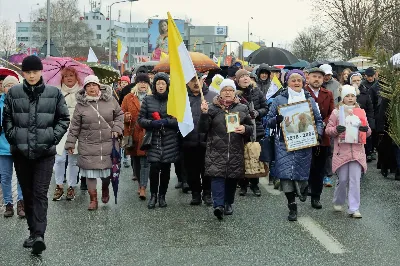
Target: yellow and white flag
[(121, 51), (273, 87), (249, 47), (163, 55), (182, 71)]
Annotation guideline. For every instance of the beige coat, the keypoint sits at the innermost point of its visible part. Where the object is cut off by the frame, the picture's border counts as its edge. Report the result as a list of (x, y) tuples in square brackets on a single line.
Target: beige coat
[(93, 134)]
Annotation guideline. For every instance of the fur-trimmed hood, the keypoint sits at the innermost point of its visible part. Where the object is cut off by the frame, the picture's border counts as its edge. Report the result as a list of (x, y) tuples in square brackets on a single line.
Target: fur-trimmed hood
[(106, 94)]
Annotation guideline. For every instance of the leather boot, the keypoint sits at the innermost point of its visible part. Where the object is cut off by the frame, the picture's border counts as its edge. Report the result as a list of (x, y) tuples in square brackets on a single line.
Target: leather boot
[(292, 212), (105, 192), (93, 205), (142, 194), (196, 198), (207, 198), (152, 201), (20, 209), (161, 201)]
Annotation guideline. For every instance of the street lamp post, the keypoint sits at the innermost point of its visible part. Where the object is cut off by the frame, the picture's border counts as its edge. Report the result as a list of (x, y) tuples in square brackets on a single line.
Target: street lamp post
[(31, 28), (48, 29), (110, 43), (248, 29)]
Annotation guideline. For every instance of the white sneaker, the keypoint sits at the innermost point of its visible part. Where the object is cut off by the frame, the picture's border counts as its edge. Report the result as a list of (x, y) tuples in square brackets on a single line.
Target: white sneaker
[(356, 214), (338, 208)]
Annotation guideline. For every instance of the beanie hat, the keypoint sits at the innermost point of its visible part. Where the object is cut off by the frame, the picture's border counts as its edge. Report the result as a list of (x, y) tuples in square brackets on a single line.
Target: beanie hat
[(227, 83), (240, 73), (346, 90), (351, 75), (10, 80), (295, 71), (91, 79), (158, 76), (232, 71), (125, 78), (31, 63), (142, 77)]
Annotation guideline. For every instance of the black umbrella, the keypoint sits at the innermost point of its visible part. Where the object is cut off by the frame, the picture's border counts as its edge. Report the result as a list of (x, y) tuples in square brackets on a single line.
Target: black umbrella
[(337, 66), (272, 56)]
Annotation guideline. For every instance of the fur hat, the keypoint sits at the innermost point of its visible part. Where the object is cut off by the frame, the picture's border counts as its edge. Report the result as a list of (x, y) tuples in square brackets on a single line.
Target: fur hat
[(10, 80), (142, 77), (240, 73), (31, 63), (227, 83), (346, 90), (91, 79)]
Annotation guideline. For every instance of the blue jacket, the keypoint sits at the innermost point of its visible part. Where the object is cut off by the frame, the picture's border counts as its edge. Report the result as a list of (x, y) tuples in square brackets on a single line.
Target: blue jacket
[(293, 165), (4, 145)]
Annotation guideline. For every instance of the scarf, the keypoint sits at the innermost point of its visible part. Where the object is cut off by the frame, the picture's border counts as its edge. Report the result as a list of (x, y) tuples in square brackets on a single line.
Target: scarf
[(93, 98), (225, 103), (67, 90), (295, 97), (141, 96)]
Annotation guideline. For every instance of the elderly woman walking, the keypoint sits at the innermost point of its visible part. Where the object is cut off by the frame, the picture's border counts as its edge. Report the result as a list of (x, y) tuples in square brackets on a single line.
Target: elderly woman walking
[(164, 148), (131, 108), (69, 87), (224, 161), (97, 119), (293, 168), (6, 161)]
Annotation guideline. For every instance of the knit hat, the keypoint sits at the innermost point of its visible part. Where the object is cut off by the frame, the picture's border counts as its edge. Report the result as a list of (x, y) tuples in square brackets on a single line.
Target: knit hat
[(31, 63), (240, 73), (142, 77), (346, 90), (227, 83), (10, 80), (294, 71), (327, 69), (91, 79), (351, 75), (370, 72), (125, 78)]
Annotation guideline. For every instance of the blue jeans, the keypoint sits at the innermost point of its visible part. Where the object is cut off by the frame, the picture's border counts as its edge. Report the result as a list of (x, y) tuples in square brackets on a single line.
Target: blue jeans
[(223, 190), (6, 171)]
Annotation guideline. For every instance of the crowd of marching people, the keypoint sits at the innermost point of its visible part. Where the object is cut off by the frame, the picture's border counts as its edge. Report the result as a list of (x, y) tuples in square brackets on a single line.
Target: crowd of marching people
[(71, 130)]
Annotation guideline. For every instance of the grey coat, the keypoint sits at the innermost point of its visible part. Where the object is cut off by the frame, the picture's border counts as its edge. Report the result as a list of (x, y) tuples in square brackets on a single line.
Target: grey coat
[(293, 165), (333, 86), (95, 135)]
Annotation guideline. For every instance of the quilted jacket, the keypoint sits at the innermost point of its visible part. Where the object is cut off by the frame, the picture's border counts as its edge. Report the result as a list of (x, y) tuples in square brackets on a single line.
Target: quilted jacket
[(224, 151), (294, 165)]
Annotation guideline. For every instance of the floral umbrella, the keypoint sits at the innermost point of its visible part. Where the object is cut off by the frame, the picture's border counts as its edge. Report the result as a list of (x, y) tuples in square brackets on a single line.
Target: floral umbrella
[(201, 63), (105, 73), (52, 67)]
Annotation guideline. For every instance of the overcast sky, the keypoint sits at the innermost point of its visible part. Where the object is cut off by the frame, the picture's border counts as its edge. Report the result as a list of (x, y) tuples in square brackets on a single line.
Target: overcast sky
[(274, 21)]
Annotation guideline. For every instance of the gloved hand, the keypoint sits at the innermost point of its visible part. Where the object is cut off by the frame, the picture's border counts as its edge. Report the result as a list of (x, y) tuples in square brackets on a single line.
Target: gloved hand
[(340, 129), (164, 122), (156, 124), (253, 114), (363, 128), (279, 119)]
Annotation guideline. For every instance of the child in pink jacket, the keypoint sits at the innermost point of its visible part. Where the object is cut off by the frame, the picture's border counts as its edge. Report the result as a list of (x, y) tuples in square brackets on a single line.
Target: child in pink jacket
[(349, 160)]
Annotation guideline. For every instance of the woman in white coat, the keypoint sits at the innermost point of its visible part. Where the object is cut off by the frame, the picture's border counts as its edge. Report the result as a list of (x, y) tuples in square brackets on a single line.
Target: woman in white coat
[(69, 87)]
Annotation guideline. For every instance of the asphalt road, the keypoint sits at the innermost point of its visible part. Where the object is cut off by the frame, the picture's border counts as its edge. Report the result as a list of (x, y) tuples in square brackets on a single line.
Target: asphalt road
[(257, 234)]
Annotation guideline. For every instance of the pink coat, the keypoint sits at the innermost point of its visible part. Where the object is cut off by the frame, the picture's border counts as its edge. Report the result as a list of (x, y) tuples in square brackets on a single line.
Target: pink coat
[(345, 152)]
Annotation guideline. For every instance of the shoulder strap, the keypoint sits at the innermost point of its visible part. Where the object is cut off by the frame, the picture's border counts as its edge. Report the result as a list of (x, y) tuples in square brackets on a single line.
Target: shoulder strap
[(101, 117)]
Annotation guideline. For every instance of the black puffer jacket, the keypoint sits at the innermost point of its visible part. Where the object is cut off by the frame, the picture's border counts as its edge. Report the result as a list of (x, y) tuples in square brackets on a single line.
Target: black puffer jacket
[(194, 138), (224, 151), (258, 98), (35, 119), (364, 100), (165, 141), (373, 90)]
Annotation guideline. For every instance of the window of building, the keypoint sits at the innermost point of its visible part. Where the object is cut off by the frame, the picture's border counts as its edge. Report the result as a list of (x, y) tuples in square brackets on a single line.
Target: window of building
[(144, 40), (23, 29), (98, 27), (98, 36), (23, 39)]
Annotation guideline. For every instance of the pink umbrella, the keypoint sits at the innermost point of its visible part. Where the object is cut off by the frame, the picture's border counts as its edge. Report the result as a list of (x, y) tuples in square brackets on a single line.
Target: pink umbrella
[(17, 58), (52, 67)]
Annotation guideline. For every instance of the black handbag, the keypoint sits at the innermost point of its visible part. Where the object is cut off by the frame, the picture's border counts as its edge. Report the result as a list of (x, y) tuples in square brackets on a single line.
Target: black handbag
[(268, 148), (146, 143)]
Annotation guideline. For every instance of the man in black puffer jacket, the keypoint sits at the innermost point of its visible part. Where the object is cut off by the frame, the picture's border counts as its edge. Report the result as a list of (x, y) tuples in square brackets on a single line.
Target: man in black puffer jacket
[(255, 101), (194, 147), (36, 117)]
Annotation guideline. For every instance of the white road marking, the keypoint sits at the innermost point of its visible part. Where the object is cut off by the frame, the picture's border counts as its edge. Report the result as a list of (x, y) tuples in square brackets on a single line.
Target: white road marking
[(269, 189), (323, 237)]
